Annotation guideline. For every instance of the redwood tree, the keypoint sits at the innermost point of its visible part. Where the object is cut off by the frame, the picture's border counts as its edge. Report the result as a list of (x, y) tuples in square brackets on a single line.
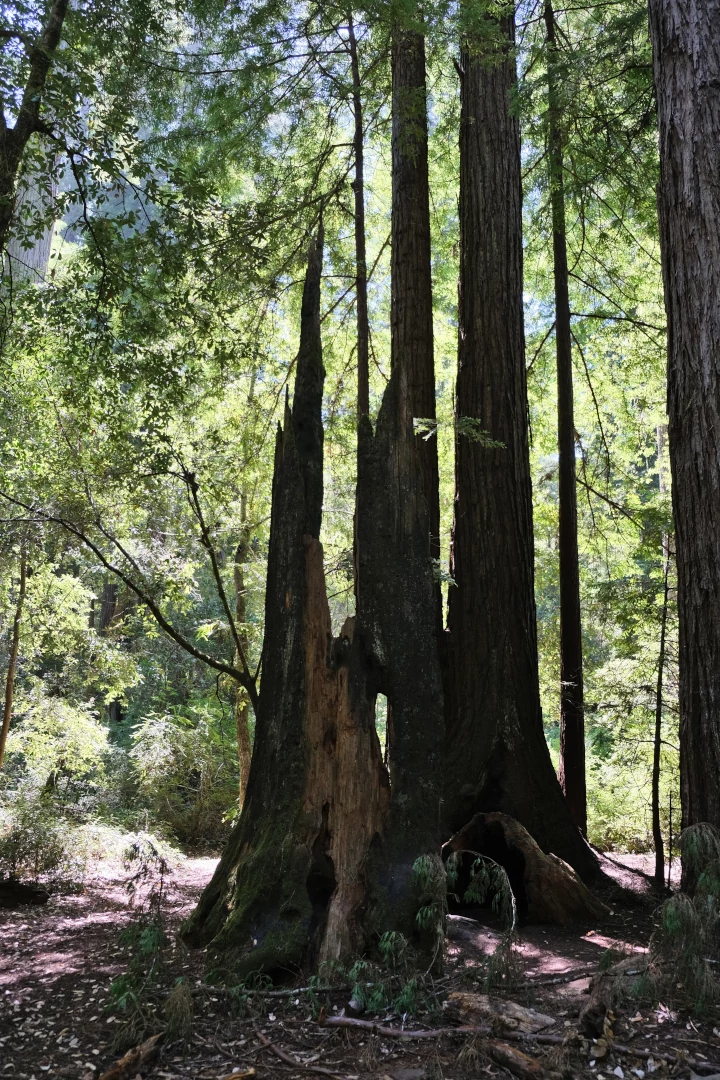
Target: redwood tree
[(686, 53), (572, 714), (323, 857), (411, 316), (497, 758)]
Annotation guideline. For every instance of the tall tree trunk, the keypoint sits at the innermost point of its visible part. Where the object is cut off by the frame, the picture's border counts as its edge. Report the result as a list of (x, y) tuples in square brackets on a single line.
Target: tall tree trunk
[(657, 741), (572, 715), (411, 312), (686, 53), (399, 603), (12, 659), (242, 725), (361, 298), (497, 757)]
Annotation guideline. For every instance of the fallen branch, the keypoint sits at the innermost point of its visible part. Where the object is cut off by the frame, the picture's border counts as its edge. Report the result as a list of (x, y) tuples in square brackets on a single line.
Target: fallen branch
[(568, 977), (290, 1060), (403, 1033), (516, 1061)]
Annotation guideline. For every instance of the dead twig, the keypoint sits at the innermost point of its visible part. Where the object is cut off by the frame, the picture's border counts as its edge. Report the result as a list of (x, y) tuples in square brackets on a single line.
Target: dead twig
[(545, 1040), (290, 1060)]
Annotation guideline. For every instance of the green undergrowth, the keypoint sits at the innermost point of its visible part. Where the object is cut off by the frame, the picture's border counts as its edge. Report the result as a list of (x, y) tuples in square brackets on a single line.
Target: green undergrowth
[(685, 948), (145, 939)]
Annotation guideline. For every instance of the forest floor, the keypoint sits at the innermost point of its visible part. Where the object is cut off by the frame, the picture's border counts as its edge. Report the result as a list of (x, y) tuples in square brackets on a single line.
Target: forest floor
[(57, 1019)]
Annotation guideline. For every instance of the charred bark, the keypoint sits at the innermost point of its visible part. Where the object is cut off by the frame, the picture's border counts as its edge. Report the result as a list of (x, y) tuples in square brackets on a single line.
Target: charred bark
[(572, 711), (398, 521), (686, 56), (496, 754), (546, 889), (290, 887)]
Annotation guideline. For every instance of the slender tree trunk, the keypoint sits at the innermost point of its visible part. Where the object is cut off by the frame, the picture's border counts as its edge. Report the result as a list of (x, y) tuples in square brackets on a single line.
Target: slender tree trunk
[(497, 757), (242, 725), (657, 743), (361, 299), (686, 54), (572, 716), (12, 659), (411, 313)]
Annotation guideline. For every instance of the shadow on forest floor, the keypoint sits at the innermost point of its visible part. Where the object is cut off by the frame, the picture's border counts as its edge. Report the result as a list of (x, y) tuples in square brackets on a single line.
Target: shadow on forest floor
[(57, 962)]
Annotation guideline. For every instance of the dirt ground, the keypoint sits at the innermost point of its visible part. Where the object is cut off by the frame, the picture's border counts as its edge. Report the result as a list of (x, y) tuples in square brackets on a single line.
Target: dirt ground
[(56, 1019)]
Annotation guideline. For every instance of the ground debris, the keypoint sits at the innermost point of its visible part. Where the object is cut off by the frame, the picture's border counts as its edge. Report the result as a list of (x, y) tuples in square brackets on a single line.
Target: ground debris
[(468, 1008), (139, 1057)]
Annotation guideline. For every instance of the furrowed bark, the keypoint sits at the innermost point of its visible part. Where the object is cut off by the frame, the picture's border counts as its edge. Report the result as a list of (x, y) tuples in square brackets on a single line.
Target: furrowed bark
[(398, 524), (686, 57), (411, 314), (290, 887), (496, 755), (572, 712)]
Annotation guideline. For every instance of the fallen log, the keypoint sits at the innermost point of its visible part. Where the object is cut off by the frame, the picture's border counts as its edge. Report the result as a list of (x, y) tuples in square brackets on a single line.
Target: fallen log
[(470, 1008), (519, 1063)]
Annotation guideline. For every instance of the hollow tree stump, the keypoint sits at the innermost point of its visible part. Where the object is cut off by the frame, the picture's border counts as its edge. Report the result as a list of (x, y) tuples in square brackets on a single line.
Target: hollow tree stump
[(546, 889)]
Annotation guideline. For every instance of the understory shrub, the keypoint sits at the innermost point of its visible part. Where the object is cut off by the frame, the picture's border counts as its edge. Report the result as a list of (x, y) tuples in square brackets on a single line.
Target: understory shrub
[(187, 773), (35, 841), (685, 948)]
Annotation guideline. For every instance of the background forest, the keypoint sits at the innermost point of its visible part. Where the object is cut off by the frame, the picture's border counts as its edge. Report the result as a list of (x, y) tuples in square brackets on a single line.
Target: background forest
[(150, 305)]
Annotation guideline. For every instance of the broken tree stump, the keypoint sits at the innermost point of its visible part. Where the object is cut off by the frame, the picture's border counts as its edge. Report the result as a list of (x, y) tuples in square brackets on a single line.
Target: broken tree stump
[(607, 990), (547, 889)]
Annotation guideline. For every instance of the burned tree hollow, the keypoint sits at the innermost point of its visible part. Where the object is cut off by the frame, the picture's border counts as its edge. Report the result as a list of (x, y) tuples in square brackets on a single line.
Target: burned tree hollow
[(321, 860)]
